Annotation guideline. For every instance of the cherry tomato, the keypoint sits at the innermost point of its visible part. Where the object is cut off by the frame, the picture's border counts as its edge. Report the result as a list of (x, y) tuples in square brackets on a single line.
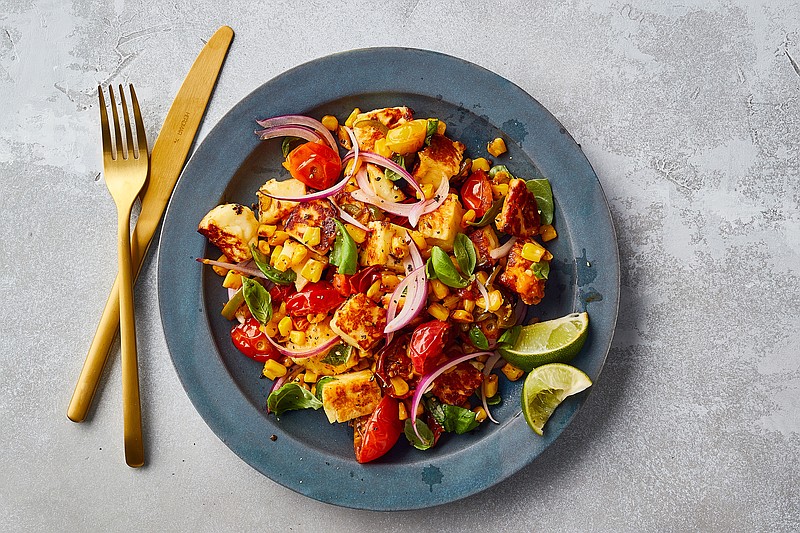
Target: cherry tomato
[(476, 193), (435, 427), (393, 361), (374, 436), (318, 297), (279, 293), (315, 164), (427, 346), (251, 341), (358, 282)]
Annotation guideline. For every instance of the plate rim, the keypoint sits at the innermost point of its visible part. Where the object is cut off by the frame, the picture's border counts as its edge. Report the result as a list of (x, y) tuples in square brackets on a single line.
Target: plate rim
[(198, 395)]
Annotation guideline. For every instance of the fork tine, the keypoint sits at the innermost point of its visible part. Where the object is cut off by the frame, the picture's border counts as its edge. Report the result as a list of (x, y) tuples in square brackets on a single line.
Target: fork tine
[(127, 119), (140, 133), (107, 150), (117, 133)]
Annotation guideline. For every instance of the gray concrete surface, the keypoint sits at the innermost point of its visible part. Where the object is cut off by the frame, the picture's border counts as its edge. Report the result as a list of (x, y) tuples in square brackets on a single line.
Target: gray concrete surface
[(690, 115)]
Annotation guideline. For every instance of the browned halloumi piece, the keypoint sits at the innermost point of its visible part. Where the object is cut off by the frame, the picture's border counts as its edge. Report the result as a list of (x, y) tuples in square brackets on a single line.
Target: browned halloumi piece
[(317, 214), (272, 211), (367, 133), (232, 228), (485, 240), (441, 160), (519, 277), (359, 322), (520, 214), (350, 395), (441, 226)]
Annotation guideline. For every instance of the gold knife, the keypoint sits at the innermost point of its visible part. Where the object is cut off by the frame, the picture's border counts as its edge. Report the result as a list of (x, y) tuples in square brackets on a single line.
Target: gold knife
[(166, 162)]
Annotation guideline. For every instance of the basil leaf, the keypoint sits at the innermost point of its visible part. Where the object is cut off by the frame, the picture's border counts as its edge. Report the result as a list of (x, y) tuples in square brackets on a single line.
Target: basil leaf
[(344, 253), (338, 355), (453, 418), (544, 198), (286, 145), (494, 400), (464, 251), (446, 271), (487, 217), (478, 338), (510, 335), (272, 273), (391, 174), (291, 397), (499, 168), (229, 310), (541, 269), (257, 299), (424, 432), (433, 127), (430, 272), (327, 379)]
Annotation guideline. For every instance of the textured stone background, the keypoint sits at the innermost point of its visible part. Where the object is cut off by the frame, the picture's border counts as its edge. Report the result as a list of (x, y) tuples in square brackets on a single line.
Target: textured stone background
[(690, 116)]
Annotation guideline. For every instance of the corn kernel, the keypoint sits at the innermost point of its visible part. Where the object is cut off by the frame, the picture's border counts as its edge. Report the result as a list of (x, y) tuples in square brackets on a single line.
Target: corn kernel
[(497, 147), (438, 311), (480, 413), (312, 236), (402, 412), (482, 277), (419, 239), (271, 329), (382, 149), (462, 316), (267, 230), (358, 234), (389, 281), (490, 385), (451, 301), (427, 190), (299, 255), (469, 305), (374, 290), (399, 385), (312, 270), (263, 247), (468, 217), (533, 251), (352, 118), (512, 373), (548, 232), (499, 190), (273, 369), (222, 271), (297, 337), (310, 377), (441, 127), (232, 280), (420, 409), (480, 164), (279, 237), (439, 289), (285, 326), (330, 122)]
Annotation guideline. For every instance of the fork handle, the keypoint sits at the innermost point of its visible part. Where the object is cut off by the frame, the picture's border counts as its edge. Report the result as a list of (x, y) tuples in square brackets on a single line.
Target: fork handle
[(131, 406)]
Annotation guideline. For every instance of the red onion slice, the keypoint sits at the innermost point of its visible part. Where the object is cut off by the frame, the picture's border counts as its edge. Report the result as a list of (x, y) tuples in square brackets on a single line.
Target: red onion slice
[(235, 267), (301, 120), (520, 312), (487, 369), (385, 162), (294, 354), (502, 251), (289, 131), (484, 295), (427, 381), (415, 298)]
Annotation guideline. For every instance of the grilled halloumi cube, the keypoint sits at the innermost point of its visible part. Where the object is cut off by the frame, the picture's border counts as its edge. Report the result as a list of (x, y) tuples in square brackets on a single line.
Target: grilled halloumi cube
[(232, 228), (520, 214), (317, 214), (383, 186), (272, 211), (350, 396), (384, 246), (359, 322), (485, 240), (367, 133), (316, 334), (519, 277), (440, 160), (441, 226)]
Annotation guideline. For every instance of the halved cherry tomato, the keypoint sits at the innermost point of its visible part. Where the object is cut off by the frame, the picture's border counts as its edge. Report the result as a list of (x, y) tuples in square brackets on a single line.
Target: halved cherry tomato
[(427, 346), (374, 436), (251, 341), (393, 361), (358, 282), (318, 297), (315, 164), (279, 293), (476, 193)]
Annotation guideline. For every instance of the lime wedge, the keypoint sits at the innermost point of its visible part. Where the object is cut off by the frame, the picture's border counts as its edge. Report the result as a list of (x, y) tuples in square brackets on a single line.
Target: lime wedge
[(546, 387), (554, 341)]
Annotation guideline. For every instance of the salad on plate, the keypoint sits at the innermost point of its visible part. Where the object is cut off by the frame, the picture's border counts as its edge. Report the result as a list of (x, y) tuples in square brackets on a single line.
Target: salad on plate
[(384, 280)]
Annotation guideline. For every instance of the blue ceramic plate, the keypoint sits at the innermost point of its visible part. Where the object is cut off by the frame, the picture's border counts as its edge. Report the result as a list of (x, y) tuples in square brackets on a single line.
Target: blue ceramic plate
[(309, 455)]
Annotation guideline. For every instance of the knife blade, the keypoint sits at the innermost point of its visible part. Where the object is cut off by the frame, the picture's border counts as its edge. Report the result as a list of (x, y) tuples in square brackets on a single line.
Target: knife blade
[(166, 162)]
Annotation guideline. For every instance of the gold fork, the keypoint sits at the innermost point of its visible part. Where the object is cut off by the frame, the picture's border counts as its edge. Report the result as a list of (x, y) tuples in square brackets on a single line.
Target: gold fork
[(125, 171)]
